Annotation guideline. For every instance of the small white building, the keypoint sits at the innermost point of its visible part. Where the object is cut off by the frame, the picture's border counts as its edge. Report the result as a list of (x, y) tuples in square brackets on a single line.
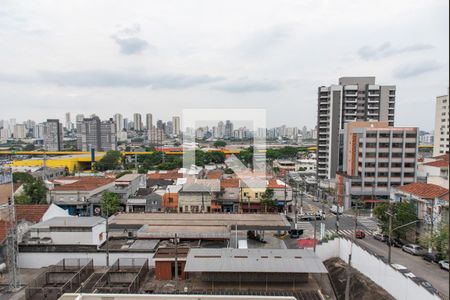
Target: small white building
[(69, 231)]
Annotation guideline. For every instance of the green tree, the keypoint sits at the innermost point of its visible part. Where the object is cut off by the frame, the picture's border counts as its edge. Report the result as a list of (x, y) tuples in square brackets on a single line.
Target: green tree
[(403, 213), (267, 199), (22, 199), (439, 240), (246, 156), (110, 203), (22, 177), (36, 191), (216, 157), (220, 144), (111, 161)]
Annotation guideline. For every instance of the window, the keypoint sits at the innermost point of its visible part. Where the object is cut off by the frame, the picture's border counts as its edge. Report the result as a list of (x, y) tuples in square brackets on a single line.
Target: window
[(170, 200)]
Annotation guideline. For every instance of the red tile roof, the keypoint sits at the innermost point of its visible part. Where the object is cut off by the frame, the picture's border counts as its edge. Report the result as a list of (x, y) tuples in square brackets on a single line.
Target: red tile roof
[(214, 174), (443, 157), (276, 184), (31, 212), (83, 183), (445, 197), (424, 190), (172, 175), (230, 183), (437, 163)]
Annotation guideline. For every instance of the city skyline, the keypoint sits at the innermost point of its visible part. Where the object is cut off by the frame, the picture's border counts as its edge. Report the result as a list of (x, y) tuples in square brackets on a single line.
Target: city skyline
[(128, 57)]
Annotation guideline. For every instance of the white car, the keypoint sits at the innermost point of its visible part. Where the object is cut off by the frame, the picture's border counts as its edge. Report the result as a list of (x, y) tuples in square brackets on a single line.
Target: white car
[(414, 249), (404, 270), (444, 264)]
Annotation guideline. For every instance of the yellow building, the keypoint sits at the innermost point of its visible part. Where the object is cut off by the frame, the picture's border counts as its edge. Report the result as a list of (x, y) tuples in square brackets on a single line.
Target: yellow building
[(71, 162)]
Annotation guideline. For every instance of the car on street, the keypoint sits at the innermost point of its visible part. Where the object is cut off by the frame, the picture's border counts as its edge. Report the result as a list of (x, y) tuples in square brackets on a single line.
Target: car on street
[(425, 284), (444, 264), (306, 217), (295, 233), (404, 270), (431, 257), (380, 237), (395, 242), (337, 210), (360, 234), (414, 249)]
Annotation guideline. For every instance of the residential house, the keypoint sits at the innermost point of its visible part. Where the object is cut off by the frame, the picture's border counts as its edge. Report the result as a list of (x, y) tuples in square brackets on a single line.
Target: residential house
[(170, 198), (199, 195), (251, 194), (431, 201), (434, 170), (282, 193), (79, 195), (230, 195)]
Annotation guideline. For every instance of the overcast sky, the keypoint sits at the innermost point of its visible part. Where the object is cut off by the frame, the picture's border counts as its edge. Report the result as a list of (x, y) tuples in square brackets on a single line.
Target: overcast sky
[(162, 56)]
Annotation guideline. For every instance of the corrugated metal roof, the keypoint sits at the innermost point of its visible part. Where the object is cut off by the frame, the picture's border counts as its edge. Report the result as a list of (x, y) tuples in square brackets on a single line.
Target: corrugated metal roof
[(69, 222), (254, 261)]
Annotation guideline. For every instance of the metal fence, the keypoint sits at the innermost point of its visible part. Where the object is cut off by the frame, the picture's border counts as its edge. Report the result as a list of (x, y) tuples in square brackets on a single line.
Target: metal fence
[(64, 277), (125, 276)]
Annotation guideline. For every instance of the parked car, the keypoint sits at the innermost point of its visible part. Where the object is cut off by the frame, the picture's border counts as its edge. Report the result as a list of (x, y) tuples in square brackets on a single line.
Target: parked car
[(404, 270), (360, 234), (380, 237), (431, 257), (335, 210), (425, 284), (295, 233), (395, 242), (444, 264), (414, 249)]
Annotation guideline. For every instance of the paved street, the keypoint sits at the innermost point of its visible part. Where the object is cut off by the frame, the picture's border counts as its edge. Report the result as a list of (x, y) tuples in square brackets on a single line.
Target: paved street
[(430, 272)]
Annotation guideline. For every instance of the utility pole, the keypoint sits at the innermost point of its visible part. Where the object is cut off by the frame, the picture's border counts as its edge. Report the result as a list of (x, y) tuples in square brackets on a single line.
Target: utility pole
[(285, 192), (301, 200), (349, 268), (338, 210), (430, 246), (107, 238), (390, 232), (295, 209), (176, 257)]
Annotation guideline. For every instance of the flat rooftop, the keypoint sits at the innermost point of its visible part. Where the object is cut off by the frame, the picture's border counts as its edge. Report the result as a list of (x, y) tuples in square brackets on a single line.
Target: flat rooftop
[(69, 222), (166, 297), (242, 221), (229, 260)]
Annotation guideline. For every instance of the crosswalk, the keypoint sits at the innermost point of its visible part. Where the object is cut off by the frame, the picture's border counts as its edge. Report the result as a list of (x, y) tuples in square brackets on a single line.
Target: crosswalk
[(345, 232), (370, 224)]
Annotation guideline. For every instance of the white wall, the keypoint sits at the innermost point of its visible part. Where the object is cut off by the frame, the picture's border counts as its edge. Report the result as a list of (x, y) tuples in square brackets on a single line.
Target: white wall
[(44, 259), (399, 286)]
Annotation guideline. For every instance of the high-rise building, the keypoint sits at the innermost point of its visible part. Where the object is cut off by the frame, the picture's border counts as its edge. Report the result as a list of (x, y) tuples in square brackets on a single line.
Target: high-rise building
[(168, 129), (19, 131), (176, 126), (137, 120), (53, 135), (78, 120), (126, 124), (118, 120), (108, 135), (68, 122), (220, 130), (96, 134), (441, 126), (228, 133), (376, 157), (148, 121), (38, 132), (353, 99)]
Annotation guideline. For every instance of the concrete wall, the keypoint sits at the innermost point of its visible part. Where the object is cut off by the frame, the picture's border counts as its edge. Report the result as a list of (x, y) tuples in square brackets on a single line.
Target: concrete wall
[(44, 259), (399, 286)]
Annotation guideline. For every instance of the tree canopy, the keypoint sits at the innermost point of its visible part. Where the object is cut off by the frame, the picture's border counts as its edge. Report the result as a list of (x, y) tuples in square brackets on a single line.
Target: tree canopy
[(34, 191), (403, 213), (220, 144), (111, 161), (110, 203)]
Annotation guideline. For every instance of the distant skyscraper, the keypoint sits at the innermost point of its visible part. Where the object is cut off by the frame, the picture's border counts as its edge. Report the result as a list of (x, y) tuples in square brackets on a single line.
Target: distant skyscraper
[(118, 120), (126, 124), (68, 122), (78, 120), (176, 126), (441, 124), (228, 129), (38, 132), (354, 99), (148, 121), (53, 135), (97, 134), (220, 130), (137, 120), (19, 131)]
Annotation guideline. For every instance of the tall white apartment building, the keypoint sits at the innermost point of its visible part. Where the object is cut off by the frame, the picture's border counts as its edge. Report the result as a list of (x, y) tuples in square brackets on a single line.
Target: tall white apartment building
[(118, 120), (441, 126), (148, 121), (137, 120), (19, 131), (176, 126), (353, 99)]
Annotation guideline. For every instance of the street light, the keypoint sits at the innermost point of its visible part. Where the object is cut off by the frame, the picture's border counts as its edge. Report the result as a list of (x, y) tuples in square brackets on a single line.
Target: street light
[(393, 229)]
